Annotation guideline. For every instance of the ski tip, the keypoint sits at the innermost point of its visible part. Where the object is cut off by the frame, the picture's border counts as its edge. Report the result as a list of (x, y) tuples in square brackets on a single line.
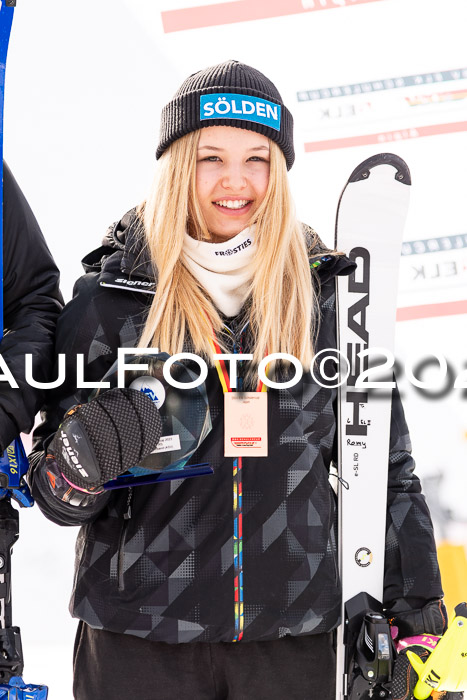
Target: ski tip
[(362, 171)]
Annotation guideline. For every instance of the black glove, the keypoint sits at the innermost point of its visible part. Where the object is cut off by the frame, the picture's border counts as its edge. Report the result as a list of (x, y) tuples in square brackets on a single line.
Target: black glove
[(405, 678), (417, 631), (99, 440)]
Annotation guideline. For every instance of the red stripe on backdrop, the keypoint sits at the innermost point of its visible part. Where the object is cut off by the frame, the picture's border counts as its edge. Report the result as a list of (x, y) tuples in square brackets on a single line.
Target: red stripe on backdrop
[(245, 11), (386, 137), (449, 308)]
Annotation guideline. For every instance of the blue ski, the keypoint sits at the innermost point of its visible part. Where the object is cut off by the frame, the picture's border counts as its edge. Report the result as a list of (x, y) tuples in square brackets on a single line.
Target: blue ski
[(13, 467), (6, 19)]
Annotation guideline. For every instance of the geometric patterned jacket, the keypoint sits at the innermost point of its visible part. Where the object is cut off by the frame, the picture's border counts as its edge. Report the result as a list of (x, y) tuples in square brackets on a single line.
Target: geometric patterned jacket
[(168, 562)]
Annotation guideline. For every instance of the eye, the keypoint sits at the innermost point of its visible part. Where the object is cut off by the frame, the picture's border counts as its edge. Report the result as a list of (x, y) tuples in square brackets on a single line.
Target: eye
[(258, 159), (210, 159)]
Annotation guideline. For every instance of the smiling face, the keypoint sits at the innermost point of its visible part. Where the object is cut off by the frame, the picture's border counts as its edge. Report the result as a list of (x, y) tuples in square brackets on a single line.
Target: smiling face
[(232, 176)]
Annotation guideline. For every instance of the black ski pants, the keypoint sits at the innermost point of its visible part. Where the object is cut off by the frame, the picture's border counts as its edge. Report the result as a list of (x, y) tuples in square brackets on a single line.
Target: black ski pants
[(109, 666)]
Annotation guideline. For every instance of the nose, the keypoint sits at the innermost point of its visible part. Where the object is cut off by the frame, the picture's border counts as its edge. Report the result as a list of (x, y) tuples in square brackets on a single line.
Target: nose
[(233, 178)]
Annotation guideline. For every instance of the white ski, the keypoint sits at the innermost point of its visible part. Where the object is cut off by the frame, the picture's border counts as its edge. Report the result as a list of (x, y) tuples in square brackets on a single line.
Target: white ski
[(369, 227)]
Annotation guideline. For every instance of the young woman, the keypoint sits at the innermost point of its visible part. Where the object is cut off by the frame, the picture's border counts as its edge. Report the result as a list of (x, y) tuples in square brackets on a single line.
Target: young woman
[(223, 585)]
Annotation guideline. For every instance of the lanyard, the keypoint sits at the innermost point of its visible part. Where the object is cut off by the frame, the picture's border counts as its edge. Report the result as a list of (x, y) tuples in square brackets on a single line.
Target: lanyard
[(222, 372)]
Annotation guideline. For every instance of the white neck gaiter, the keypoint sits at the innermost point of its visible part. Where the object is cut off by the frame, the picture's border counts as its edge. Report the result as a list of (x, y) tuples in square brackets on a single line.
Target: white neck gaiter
[(223, 269)]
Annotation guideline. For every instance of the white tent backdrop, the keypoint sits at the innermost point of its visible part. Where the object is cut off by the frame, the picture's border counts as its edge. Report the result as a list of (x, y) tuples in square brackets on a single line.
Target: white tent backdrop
[(85, 86)]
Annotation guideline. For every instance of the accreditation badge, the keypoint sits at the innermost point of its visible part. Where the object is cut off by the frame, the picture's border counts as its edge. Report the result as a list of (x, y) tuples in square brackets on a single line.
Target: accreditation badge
[(246, 424)]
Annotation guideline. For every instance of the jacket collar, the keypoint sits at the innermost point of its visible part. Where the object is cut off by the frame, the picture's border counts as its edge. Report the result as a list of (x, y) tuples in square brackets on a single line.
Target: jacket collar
[(123, 259)]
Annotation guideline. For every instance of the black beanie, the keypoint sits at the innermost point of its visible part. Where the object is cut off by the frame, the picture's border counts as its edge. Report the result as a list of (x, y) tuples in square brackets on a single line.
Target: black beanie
[(213, 96)]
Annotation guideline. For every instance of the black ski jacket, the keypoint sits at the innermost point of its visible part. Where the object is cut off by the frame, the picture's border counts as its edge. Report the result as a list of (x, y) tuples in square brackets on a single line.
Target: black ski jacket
[(31, 305), (158, 561)]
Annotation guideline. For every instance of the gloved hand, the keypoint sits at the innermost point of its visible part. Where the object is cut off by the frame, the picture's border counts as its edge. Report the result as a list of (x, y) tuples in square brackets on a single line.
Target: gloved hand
[(410, 628), (405, 677), (99, 440)]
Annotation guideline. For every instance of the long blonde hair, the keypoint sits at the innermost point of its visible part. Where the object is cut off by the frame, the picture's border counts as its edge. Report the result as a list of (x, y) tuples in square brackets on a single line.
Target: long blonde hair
[(283, 313)]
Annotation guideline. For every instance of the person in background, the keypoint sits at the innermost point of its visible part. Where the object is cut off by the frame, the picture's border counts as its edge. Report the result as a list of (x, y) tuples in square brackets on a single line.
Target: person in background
[(221, 586), (31, 305)]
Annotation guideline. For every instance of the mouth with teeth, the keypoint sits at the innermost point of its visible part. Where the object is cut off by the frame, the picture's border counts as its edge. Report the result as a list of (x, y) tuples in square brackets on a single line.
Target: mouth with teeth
[(234, 206)]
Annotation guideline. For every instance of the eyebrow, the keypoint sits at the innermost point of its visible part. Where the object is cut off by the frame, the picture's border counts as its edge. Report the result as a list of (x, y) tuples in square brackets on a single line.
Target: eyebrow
[(214, 148)]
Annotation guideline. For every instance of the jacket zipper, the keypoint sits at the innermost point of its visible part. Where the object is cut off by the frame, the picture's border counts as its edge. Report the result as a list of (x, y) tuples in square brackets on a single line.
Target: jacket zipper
[(122, 540), (238, 524), (334, 531)]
